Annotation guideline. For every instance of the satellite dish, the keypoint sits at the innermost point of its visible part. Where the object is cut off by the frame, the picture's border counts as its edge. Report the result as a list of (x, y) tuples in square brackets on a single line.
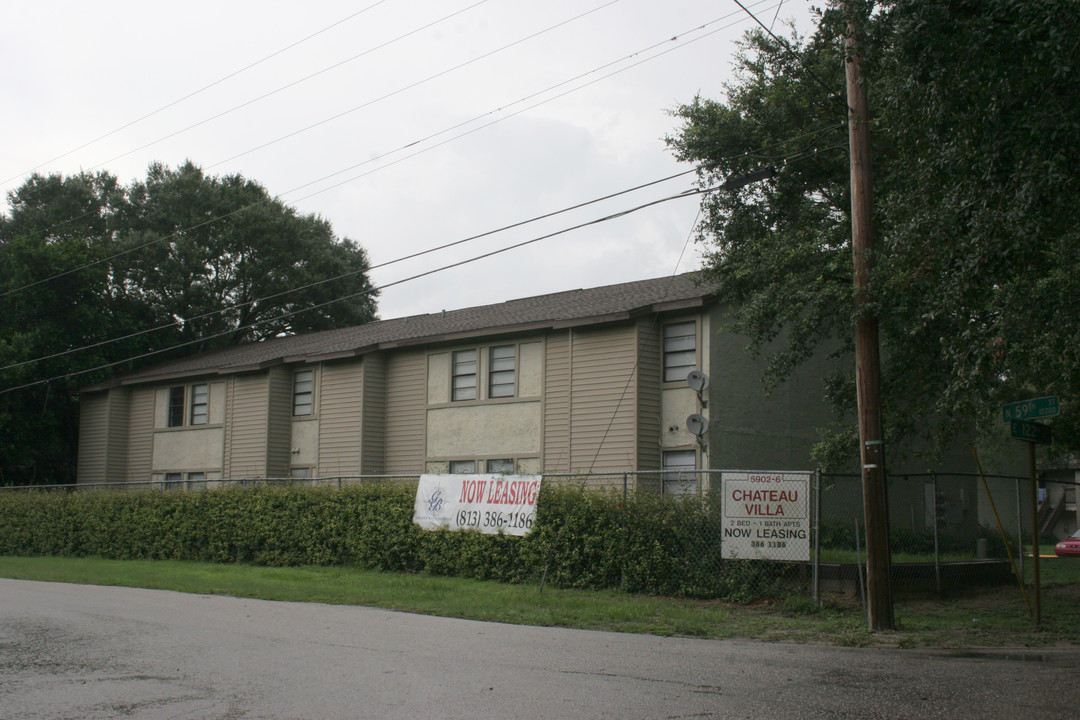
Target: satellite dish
[(697, 424), (697, 380)]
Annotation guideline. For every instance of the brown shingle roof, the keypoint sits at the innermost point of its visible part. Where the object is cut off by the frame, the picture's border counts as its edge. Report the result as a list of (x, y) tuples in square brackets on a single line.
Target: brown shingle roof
[(610, 303)]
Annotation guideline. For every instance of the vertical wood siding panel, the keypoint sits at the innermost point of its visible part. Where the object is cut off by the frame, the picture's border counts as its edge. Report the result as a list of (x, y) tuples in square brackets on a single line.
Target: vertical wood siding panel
[(648, 405), (373, 425), (230, 406), (248, 431), (93, 437), (279, 422), (119, 411), (557, 402), (603, 406), (406, 391), (140, 445), (341, 403)]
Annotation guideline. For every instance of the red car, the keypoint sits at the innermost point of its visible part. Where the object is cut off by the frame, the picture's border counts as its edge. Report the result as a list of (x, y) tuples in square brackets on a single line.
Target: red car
[(1069, 547)]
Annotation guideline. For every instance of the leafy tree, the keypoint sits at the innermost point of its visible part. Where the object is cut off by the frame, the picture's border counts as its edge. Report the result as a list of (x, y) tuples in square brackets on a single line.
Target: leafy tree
[(976, 120), (56, 223), (206, 260), (216, 243)]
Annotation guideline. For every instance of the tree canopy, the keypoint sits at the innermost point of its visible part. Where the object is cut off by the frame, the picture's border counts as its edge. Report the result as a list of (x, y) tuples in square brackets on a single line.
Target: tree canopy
[(128, 276), (976, 137)]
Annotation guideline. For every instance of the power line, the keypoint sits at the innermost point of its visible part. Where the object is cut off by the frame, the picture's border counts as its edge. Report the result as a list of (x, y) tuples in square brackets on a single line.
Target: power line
[(292, 84), (196, 92), (415, 84), (399, 90), (233, 331), (422, 140), (783, 43), (730, 183), (518, 112), (411, 256), (249, 102)]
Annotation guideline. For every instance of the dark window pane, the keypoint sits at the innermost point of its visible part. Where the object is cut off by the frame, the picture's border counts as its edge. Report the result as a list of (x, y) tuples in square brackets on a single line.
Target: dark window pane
[(176, 406)]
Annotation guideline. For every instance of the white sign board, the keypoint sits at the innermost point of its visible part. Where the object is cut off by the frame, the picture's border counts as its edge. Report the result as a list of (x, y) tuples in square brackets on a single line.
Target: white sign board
[(766, 516), (488, 503)]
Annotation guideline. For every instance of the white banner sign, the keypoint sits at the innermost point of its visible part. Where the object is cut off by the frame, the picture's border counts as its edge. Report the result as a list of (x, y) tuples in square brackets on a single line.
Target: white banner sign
[(488, 503), (766, 516)]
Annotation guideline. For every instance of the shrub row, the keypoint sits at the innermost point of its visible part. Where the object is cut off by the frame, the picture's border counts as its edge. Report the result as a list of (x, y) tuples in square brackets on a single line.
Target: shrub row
[(581, 539), (840, 535)]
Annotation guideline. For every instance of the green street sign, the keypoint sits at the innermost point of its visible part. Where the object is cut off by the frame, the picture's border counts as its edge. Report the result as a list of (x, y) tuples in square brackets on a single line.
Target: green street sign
[(1031, 409), (1029, 431)]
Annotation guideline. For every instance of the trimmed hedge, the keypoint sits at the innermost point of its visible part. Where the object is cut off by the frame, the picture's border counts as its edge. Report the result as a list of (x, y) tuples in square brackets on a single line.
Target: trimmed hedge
[(584, 539)]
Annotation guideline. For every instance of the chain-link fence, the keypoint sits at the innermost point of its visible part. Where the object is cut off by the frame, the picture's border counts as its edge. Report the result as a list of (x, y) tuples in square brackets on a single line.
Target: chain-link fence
[(750, 534)]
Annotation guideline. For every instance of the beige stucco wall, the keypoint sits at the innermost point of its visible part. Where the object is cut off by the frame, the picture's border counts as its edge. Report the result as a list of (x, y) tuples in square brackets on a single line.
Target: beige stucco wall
[(531, 372), (217, 403), (438, 378), (161, 407), (189, 449), (505, 429), (676, 405)]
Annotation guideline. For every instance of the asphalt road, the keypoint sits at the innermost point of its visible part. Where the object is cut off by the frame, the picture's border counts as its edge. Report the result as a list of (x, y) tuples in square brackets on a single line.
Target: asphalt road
[(74, 651)]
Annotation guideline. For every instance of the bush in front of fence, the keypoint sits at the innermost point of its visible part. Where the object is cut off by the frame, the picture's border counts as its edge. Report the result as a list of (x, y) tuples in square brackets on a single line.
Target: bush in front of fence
[(840, 535), (581, 539)]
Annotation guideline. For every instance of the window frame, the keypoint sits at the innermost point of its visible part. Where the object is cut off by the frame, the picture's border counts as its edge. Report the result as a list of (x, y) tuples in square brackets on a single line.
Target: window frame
[(174, 416), (510, 466), (675, 475), (199, 414), (461, 467), (497, 376), (298, 393), (672, 367), (455, 366)]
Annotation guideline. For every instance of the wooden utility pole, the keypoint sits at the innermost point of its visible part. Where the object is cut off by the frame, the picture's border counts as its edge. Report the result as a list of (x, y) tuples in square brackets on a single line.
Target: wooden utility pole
[(867, 359)]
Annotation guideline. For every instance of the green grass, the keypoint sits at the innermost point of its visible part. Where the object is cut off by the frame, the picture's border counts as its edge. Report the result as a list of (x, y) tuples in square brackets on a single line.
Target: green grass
[(996, 617)]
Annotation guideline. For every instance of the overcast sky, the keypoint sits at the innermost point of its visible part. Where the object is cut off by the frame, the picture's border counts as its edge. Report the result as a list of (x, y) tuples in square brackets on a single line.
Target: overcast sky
[(406, 123)]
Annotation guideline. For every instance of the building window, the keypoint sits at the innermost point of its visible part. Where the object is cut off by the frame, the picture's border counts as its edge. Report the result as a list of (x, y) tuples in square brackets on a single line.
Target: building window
[(679, 478), (303, 384), (501, 371), (467, 467), (174, 481), (196, 476), (463, 375), (200, 404), (680, 350), (300, 473), (504, 467), (176, 406)]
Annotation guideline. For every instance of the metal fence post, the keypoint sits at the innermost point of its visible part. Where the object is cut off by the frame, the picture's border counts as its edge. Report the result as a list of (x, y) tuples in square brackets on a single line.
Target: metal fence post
[(622, 537), (817, 538), (1019, 529), (859, 568), (937, 551)]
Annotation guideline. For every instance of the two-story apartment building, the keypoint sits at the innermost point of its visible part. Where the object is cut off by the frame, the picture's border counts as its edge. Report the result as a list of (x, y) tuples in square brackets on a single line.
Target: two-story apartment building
[(577, 381)]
